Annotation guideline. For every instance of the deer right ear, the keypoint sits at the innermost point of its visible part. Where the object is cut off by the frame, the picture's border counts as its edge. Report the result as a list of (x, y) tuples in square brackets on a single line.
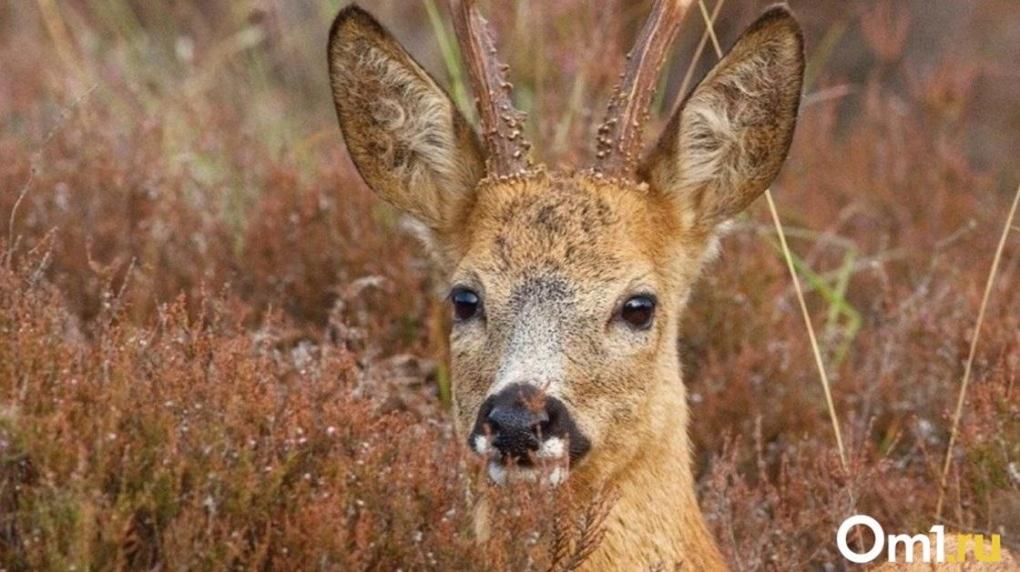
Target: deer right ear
[(403, 132), (728, 140)]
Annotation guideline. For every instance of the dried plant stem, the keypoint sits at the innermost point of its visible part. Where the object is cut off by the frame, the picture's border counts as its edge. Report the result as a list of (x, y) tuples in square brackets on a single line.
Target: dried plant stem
[(796, 284), (591, 532), (689, 75), (57, 29), (810, 330), (9, 255), (973, 350), (33, 169), (709, 26)]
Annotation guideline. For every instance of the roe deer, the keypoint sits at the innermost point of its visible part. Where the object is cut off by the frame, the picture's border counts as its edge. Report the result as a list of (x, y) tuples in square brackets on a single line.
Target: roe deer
[(568, 287)]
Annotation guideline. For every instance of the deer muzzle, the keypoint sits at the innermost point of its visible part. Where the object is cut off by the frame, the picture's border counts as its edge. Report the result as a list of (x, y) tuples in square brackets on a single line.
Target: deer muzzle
[(520, 427)]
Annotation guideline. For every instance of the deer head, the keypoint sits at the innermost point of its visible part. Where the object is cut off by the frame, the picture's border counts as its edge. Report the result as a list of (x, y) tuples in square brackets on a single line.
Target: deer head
[(567, 287)]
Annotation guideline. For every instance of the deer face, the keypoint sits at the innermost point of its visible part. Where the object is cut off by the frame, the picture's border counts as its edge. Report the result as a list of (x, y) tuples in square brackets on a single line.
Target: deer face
[(566, 288), (565, 303)]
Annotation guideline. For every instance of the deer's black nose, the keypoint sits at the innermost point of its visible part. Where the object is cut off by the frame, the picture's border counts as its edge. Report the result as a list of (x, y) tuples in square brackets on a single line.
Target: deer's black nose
[(521, 424), (516, 427), (516, 421)]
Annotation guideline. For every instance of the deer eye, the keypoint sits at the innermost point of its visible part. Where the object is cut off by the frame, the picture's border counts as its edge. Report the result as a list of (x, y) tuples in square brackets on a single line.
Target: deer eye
[(466, 304), (638, 311)]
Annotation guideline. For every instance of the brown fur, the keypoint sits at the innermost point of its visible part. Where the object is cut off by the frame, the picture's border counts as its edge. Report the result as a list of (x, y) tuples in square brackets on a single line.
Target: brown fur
[(553, 256)]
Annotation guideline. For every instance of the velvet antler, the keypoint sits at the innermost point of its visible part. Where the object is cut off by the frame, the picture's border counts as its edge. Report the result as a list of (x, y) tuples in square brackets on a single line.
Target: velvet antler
[(619, 137), (502, 125)]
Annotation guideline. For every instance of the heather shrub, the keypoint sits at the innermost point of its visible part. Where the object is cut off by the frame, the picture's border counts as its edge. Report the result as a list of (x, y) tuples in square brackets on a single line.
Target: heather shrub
[(198, 443), (219, 350)]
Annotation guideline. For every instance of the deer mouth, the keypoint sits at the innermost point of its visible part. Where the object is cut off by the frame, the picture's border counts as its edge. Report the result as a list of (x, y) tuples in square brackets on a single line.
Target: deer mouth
[(550, 462), (525, 434)]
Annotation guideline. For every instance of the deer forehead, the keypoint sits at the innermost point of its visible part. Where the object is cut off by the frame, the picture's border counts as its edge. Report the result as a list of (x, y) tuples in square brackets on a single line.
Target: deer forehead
[(590, 235)]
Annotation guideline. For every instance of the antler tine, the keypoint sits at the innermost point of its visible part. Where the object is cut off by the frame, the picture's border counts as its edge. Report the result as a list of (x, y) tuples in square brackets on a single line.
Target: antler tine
[(502, 125), (619, 137)]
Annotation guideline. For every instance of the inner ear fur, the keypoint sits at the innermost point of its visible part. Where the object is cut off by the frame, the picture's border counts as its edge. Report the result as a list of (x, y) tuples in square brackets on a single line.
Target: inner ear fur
[(727, 141), (404, 133)]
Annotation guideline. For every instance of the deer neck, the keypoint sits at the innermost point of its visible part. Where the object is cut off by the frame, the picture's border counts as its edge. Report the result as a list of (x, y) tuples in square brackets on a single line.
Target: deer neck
[(656, 520)]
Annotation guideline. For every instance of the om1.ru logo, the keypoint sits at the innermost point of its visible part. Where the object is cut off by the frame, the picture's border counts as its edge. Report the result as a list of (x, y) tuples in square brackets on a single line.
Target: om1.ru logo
[(911, 543)]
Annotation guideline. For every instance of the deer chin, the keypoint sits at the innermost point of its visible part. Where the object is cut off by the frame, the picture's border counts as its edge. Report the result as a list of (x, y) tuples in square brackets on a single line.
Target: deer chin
[(502, 474)]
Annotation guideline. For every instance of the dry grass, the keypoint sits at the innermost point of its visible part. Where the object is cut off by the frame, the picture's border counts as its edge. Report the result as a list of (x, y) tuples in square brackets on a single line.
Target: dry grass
[(218, 350), (790, 265), (961, 400)]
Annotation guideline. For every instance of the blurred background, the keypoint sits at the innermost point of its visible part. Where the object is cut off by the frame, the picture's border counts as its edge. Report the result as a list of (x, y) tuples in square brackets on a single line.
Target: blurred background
[(175, 167)]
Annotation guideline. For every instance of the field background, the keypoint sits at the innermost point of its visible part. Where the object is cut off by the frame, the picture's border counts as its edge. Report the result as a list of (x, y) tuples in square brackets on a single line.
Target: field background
[(219, 350)]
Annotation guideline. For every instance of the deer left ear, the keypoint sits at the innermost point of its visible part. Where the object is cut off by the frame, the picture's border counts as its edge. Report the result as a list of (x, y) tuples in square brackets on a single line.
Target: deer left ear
[(727, 142), (405, 135)]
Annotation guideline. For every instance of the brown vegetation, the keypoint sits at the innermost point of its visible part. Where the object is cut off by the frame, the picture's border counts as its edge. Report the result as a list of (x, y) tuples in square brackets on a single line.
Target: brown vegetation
[(217, 348)]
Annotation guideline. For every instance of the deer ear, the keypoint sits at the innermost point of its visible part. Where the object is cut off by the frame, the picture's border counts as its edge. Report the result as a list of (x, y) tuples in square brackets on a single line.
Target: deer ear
[(726, 143), (405, 135)]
